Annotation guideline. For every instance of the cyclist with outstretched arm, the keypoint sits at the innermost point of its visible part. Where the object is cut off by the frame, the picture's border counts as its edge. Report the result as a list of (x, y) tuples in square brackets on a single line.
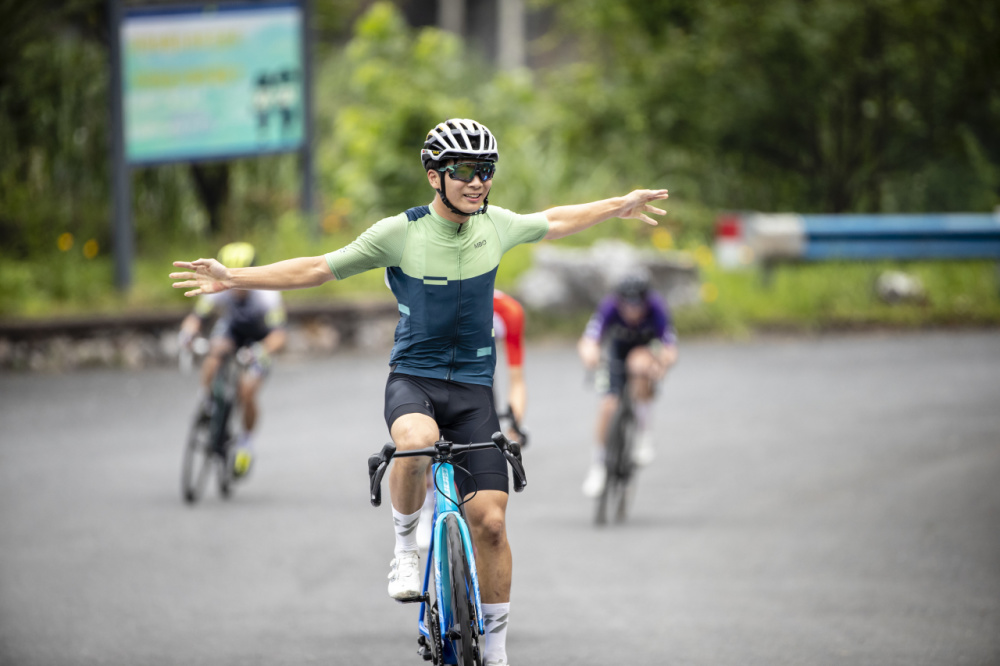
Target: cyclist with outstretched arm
[(630, 333), (254, 320), (442, 260)]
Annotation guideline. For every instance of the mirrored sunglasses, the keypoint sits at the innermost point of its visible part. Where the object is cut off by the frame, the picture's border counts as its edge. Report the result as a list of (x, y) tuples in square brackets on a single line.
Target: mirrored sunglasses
[(466, 171)]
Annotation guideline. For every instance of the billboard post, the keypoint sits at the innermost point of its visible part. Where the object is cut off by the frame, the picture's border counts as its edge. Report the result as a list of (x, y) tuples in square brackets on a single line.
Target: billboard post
[(307, 202), (121, 175)]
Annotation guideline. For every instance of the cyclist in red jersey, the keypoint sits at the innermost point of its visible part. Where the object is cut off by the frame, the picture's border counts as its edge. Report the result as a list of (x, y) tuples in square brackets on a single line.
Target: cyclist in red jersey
[(508, 323)]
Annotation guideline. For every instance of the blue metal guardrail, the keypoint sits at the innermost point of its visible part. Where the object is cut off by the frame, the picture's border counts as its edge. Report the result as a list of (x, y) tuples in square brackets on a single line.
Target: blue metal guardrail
[(935, 236)]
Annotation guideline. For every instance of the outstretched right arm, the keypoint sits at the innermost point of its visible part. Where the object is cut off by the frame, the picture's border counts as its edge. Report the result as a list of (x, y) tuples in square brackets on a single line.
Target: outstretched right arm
[(208, 276)]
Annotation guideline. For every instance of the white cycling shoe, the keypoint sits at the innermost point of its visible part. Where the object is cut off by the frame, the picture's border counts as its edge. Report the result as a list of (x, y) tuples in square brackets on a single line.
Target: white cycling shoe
[(404, 575), (597, 476)]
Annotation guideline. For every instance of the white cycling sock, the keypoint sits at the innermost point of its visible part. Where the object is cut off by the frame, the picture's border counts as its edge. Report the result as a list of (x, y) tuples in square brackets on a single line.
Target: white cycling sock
[(406, 530), (245, 441), (495, 621), (643, 411)]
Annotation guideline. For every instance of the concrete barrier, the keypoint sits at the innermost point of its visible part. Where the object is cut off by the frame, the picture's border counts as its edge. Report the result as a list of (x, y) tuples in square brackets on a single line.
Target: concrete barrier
[(570, 279), (136, 340)]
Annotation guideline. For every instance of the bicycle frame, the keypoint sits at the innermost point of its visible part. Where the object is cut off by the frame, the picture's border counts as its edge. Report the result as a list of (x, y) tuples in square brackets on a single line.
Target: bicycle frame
[(447, 501), (618, 457), (225, 397)]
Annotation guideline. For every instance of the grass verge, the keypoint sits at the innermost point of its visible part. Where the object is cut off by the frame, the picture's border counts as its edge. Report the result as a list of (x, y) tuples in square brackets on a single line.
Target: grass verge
[(797, 298)]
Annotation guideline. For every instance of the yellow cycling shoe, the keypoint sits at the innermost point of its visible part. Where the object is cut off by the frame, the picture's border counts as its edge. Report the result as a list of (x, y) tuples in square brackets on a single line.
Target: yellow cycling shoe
[(242, 462)]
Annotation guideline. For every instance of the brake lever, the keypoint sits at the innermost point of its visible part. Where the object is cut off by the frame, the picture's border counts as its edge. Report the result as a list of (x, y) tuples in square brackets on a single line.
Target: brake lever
[(377, 464), (512, 452)]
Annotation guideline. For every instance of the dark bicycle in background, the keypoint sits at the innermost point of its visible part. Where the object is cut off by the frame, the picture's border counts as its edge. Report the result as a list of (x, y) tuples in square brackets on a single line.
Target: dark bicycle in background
[(207, 451), (510, 424), (619, 462)]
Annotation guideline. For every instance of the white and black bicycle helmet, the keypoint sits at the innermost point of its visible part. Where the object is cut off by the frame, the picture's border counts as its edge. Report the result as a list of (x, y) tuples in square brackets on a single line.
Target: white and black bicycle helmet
[(459, 138), (456, 138), (634, 286)]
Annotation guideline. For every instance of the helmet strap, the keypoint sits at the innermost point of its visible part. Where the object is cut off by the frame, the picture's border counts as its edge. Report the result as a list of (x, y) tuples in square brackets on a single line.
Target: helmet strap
[(454, 209)]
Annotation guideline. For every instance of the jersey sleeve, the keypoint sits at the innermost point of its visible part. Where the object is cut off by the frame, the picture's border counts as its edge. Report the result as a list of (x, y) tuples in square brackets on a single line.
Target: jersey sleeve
[(598, 321), (665, 331), (378, 247), (515, 229)]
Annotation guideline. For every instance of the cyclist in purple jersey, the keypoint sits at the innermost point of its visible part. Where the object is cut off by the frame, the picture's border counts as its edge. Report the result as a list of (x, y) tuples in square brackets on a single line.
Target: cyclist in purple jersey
[(631, 332)]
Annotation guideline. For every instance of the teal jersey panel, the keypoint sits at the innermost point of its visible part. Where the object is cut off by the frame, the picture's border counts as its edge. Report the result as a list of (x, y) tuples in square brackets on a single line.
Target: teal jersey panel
[(442, 275)]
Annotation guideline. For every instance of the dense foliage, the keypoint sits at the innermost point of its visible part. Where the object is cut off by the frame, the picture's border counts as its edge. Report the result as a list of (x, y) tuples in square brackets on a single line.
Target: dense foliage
[(806, 105), (818, 106)]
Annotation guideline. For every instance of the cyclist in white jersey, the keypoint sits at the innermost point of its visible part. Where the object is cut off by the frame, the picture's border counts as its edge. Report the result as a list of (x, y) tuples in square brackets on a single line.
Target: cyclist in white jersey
[(442, 260), (248, 320)]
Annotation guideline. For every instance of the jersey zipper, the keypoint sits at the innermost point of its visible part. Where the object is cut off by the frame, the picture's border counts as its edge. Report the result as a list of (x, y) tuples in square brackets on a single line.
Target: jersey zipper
[(458, 314)]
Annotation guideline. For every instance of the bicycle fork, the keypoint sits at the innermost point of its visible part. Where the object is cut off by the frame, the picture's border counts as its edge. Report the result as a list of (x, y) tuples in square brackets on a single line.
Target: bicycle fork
[(445, 504)]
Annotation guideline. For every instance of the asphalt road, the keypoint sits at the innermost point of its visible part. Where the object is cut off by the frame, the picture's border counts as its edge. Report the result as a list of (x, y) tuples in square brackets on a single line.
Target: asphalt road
[(822, 501)]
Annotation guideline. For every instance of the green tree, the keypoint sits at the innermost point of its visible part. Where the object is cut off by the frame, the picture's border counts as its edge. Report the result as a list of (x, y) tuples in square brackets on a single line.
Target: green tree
[(819, 105)]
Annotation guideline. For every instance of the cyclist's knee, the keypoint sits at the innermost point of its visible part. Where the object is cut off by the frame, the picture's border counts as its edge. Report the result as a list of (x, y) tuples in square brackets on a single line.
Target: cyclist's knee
[(639, 361), (209, 367), (491, 529), (487, 518), (248, 391), (414, 431)]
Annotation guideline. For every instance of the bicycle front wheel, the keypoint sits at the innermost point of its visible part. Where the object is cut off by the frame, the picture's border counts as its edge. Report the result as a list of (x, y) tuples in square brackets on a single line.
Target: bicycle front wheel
[(626, 467), (463, 634), (197, 461), (222, 444), (618, 467)]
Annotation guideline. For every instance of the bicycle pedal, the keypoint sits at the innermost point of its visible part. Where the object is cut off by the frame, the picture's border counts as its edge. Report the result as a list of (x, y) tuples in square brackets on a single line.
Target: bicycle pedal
[(414, 600)]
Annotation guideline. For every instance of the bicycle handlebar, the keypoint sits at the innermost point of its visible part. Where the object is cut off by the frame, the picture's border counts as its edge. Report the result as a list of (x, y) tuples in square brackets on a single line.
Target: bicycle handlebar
[(444, 451)]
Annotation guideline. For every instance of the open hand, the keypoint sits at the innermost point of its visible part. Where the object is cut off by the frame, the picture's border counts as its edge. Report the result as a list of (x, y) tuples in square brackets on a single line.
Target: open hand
[(209, 277), (637, 205)]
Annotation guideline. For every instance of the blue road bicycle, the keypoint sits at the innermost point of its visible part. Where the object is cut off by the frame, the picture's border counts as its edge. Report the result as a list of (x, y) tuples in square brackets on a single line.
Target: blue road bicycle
[(451, 613)]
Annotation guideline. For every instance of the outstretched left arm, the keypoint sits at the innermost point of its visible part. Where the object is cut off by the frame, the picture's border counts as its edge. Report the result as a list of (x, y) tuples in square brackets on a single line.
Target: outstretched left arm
[(567, 220)]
